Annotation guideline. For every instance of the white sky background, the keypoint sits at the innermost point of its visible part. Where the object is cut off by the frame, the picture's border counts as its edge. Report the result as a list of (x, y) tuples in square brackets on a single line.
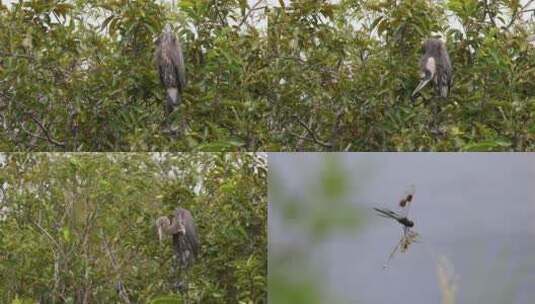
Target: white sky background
[(261, 22), (256, 18), (454, 23)]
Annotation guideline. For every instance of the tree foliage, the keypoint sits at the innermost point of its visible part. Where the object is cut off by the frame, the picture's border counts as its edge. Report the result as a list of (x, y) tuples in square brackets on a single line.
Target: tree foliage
[(80, 76), (305, 75), (342, 75), (74, 227)]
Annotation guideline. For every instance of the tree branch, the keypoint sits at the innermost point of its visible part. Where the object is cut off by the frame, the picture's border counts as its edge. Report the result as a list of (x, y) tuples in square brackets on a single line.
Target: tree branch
[(120, 286), (16, 55), (44, 130), (313, 134), (252, 9)]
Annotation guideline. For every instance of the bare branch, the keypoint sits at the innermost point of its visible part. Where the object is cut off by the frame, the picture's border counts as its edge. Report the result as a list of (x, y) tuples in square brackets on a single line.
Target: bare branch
[(54, 242), (120, 286), (488, 13), (251, 10), (16, 55), (44, 130), (313, 134)]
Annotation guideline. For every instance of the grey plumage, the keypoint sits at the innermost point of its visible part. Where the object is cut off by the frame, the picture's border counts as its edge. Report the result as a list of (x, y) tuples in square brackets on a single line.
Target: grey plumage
[(187, 244), (184, 232), (435, 66), (171, 67)]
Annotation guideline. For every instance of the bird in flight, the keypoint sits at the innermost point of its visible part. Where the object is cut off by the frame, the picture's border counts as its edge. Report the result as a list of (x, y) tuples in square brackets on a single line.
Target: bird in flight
[(402, 217)]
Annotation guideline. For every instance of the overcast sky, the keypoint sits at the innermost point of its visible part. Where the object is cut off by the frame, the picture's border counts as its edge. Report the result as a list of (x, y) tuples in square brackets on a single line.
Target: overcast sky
[(475, 210)]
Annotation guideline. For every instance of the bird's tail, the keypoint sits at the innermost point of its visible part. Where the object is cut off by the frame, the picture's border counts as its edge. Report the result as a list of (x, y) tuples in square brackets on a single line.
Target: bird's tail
[(173, 100)]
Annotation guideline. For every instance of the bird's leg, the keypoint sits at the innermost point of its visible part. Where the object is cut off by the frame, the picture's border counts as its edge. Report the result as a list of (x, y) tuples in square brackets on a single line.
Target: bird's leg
[(175, 269), (434, 111), (435, 119), (179, 127), (178, 285), (169, 125), (185, 263)]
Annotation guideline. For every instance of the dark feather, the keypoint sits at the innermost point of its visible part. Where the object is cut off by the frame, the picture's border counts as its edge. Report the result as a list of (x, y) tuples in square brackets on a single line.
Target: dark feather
[(387, 213)]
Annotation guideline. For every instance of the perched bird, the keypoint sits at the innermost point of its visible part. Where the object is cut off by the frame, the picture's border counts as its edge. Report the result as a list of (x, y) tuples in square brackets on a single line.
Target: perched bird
[(171, 68), (182, 228), (435, 65)]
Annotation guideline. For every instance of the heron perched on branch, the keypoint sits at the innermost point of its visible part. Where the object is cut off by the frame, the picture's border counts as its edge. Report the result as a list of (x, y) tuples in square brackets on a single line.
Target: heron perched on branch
[(171, 68), (435, 65), (182, 228)]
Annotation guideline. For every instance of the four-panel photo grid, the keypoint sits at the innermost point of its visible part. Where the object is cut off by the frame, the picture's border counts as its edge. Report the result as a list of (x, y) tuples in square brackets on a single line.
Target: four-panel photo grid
[(267, 151)]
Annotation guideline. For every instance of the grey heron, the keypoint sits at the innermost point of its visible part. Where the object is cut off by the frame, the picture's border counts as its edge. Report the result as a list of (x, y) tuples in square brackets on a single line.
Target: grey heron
[(183, 230), (171, 68), (435, 65)]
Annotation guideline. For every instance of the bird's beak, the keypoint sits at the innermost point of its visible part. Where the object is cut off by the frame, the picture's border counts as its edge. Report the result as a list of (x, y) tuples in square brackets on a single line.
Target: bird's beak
[(420, 86)]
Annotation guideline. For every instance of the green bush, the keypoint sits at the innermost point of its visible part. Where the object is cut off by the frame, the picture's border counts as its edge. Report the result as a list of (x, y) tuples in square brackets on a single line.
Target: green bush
[(78, 225)]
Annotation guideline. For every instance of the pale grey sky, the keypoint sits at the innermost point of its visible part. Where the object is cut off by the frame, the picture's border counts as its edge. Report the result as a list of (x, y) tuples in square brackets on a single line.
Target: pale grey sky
[(475, 210), (454, 22)]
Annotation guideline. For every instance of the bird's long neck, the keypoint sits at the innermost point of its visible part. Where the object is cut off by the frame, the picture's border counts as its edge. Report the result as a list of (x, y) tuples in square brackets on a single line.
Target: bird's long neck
[(173, 227)]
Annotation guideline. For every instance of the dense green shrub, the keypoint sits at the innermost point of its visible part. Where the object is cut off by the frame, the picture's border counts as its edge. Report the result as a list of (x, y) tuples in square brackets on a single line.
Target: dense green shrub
[(74, 226), (343, 74), (80, 76)]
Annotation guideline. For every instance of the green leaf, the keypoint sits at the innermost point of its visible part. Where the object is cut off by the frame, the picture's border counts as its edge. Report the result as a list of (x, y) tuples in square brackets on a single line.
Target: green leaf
[(486, 146)]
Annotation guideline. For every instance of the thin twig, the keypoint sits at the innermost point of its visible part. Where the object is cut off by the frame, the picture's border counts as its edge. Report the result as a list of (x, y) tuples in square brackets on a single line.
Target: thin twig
[(312, 134), (488, 13), (45, 131), (56, 250), (252, 9), (338, 120), (122, 290), (385, 266), (54, 242), (16, 55)]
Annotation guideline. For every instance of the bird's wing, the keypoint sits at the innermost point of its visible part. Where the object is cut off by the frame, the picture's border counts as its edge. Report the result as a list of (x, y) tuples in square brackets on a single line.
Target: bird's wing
[(444, 84), (445, 79), (406, 202), (158, 59), (176, 244), (192, 236), (161, 73), (387, 213), (177, 57)]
